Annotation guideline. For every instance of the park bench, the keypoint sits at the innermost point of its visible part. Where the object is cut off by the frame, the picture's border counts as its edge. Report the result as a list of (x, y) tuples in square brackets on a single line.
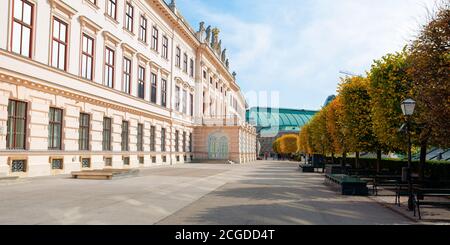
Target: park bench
[(391, 181), (307, 168), (421, 193), (347, 185)]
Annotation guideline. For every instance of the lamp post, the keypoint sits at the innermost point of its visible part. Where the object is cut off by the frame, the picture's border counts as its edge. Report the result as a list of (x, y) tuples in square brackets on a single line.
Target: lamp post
[(408, 107)]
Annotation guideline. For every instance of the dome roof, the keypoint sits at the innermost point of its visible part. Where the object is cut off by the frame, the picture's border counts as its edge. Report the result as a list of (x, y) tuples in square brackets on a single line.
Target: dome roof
[(279, 118)]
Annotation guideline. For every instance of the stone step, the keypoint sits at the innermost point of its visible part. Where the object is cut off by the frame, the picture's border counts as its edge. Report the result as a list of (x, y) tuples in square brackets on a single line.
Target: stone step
[(105, 174), (212, 161), (8, 178)]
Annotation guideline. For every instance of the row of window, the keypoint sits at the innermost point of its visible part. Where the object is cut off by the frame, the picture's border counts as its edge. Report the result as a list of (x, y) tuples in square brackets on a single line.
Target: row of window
[(17, 121), (21, 44), (185, 62), (129, 16)]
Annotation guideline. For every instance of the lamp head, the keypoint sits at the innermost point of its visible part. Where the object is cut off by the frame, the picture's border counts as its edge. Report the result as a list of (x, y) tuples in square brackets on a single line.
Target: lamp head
[(408, 107)]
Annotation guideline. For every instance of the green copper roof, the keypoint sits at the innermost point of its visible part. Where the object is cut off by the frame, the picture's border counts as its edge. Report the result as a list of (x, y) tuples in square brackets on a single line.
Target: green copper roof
[(283, 119)]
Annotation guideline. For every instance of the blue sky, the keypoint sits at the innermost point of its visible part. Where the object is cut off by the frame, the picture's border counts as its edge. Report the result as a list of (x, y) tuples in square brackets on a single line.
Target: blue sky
[(296, 48)]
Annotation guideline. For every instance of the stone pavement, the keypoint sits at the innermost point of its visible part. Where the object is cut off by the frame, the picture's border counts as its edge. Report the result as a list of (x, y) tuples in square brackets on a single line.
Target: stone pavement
[(430, 216), (259, 193)]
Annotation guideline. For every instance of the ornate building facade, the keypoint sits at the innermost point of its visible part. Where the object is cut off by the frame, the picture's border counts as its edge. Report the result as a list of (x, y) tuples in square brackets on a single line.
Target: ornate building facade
[(93, 84)]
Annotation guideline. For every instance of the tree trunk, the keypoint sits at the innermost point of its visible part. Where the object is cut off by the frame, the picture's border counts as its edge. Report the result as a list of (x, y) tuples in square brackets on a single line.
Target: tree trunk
[(332, 158), (423, 158), (357, 160), (379, 153), (344, 159)]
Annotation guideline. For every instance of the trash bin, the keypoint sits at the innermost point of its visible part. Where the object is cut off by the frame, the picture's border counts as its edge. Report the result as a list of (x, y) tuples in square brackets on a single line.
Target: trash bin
[(405, 174)]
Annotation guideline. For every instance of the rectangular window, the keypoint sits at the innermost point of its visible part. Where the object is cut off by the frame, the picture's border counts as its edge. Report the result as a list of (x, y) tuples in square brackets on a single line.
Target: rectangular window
[(141, 82), (177, 141), (107, 131), (204, 103), (16, 125), (143, 29), (204, 74), (129, 15), (87, 57), (140, 137), (191, 73), (108, 162), (55, 118), (163, 92), (111, 8), (185, 63), (126, 75), (57, 164), (163, 140), (191, 100), (185, 101), (190, 142), (184, 141), (126, 161), (152, 138), (165, 47), (85, 163), (177, 98), (125, 136), (178, 58), (109, 67), (19, 166), (83, 141), (153, 89), (59, 44), (155, 36), (22, 27)]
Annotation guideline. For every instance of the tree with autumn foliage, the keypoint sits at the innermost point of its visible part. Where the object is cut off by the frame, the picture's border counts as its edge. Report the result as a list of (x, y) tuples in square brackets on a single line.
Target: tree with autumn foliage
[(356, 115), (429, 69), (389, 85), (320, 137), (287, 144)]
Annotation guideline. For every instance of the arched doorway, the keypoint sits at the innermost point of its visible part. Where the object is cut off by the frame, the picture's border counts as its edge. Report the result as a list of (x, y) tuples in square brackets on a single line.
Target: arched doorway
[(218, 147)]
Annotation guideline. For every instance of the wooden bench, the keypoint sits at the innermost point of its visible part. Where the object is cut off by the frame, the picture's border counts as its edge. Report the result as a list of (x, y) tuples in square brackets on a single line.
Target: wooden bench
[(347, 185), (421, 193)]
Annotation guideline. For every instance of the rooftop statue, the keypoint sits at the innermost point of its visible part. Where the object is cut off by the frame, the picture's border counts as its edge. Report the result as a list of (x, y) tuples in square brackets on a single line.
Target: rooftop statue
[(201, 32), (224, 55), (208, 34)]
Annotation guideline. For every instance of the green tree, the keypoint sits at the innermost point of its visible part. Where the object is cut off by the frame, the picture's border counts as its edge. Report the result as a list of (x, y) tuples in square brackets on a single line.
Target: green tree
[(389, 85), (356, 115)]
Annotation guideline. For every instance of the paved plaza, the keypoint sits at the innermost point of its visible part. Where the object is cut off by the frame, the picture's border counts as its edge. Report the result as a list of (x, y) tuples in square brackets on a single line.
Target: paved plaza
[(262, 193)]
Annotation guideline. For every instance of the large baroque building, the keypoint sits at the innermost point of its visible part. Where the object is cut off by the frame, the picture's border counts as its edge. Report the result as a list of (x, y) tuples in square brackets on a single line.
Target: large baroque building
[(93, 84)]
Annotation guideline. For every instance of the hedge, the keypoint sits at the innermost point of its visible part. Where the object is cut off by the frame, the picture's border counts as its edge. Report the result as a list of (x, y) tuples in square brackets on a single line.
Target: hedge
[(436, 170)]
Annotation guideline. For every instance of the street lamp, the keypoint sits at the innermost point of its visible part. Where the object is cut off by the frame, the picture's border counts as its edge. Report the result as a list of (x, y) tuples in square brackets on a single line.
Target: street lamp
[(408, 107)]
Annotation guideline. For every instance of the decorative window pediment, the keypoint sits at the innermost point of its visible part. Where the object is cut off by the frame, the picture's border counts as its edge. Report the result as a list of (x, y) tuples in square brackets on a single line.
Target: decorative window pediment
[(109, 37), (128, 49), (58, 5), (87, 23), (143, 58)]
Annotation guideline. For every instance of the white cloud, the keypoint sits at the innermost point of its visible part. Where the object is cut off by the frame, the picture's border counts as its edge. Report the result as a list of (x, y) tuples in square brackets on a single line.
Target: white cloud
[(299, 46)]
